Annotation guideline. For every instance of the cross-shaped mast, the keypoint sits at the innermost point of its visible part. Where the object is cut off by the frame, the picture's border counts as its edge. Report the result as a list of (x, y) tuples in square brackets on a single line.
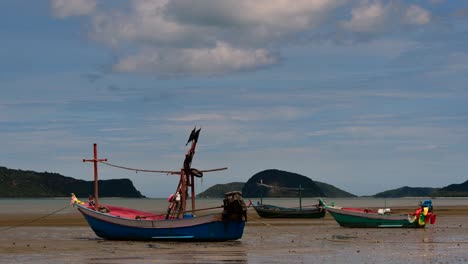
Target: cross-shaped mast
[(95, 161)]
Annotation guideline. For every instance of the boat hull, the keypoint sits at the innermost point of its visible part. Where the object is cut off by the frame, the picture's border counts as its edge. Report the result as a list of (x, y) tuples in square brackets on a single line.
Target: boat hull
[(371, 220), (270, 211), (204, 228)]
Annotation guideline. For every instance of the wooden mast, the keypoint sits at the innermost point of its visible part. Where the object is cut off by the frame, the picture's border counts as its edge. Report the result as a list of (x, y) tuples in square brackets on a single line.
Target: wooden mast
[(186, 176), (95, 160)]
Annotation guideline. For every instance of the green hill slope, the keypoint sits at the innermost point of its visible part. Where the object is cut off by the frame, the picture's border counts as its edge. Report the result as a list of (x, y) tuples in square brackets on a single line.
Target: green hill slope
[(453, 190), (281, 179), (407, 192), (277, 178), (219, 190), (20, 183), (331, 191)]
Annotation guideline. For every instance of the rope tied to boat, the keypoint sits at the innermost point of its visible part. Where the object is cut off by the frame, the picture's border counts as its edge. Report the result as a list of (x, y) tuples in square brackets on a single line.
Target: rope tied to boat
[(36, 219)]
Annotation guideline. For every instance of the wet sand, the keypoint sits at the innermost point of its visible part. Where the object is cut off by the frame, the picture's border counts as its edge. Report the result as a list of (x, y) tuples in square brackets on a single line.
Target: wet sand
[(66, 238)]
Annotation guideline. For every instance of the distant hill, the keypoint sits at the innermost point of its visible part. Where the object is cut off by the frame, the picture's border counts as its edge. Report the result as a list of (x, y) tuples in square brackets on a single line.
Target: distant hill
[(331, 191), (453, 190), (407, 192), (219, 190), (280, 179), (20, 183)]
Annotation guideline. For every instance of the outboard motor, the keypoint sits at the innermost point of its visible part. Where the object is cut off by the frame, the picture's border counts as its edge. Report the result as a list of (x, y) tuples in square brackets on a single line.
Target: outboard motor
[(234, 207)]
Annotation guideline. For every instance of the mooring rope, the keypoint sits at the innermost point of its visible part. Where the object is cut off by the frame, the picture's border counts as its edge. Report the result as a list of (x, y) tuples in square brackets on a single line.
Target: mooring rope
[(34, 220)]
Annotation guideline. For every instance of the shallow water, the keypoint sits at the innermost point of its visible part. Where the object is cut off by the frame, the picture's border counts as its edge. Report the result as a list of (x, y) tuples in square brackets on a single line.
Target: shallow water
[(277, 241), (45, 205)]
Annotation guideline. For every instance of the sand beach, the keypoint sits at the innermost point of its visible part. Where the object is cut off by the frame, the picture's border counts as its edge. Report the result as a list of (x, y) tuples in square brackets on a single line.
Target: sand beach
[(66, 238)]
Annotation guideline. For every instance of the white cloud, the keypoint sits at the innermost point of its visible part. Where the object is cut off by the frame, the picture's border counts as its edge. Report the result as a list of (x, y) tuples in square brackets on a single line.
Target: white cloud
[(416, 15), (66, 8), (206, 61), (373, 17), (144, 23), (367, 18), (211, 37), (204, 37), (270, 17), (245, 115)]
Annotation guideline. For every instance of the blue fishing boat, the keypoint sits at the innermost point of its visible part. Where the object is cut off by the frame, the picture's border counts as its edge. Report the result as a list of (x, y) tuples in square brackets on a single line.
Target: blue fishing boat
[(178, 223)]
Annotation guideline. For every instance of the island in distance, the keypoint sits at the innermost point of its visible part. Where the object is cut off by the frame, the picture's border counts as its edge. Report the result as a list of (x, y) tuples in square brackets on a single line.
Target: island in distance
[(312, 188), (289, 182), (30, 184)]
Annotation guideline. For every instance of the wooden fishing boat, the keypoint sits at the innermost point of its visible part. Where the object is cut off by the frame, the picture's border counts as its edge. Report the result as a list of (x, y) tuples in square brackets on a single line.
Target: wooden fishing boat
[(272, 211), (120, 223), (359, 217)]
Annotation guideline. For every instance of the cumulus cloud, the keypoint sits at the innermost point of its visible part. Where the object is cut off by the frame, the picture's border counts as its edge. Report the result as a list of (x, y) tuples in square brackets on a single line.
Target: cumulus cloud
[(367, 18), (209, 37), (205, 37), (417, 16), (270, 16), (203, 22), (217, 60), (66, 8), (376, 17)]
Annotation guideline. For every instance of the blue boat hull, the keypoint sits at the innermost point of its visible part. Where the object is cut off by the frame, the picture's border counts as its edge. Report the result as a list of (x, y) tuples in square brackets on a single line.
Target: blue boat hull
[(204, 228)]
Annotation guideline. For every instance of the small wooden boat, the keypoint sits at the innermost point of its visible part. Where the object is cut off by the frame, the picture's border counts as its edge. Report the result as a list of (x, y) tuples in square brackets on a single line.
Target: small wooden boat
[(120, 223), (359, 217), (272, 211)]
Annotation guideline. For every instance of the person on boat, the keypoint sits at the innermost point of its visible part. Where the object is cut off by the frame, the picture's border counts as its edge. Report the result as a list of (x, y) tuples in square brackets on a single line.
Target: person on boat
[(177, 201)]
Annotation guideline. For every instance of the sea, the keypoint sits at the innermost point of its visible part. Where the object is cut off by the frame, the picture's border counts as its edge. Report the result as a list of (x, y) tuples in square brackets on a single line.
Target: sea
[(47, 205)]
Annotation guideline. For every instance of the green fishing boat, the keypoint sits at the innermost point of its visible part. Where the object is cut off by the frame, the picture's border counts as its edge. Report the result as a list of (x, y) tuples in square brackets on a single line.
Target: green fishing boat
[(360, 217)]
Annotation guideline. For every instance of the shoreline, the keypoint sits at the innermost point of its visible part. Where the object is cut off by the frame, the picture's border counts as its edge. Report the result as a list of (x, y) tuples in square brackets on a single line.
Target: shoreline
[(71, 217)]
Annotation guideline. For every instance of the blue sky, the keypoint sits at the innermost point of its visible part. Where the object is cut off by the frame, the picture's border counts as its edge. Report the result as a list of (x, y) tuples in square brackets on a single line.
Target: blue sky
[(365, 95)]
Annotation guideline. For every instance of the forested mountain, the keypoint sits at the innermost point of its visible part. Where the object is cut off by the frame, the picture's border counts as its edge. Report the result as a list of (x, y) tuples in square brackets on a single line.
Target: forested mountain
[(219, 190), (277, 183), (407, 192), (453, 190), (23, 183)]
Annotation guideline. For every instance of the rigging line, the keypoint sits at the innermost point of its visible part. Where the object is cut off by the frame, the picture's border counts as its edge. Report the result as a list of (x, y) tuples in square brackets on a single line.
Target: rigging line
[(141, 170), (283, 188), (34, 220), (156, 171)]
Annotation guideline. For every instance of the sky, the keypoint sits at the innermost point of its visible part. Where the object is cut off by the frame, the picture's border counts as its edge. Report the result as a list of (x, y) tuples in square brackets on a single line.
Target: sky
[(366, 95)]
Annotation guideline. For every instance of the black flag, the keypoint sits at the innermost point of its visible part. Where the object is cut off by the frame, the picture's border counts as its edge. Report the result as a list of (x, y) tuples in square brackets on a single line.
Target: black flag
[(192, 136), (195, 137)]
